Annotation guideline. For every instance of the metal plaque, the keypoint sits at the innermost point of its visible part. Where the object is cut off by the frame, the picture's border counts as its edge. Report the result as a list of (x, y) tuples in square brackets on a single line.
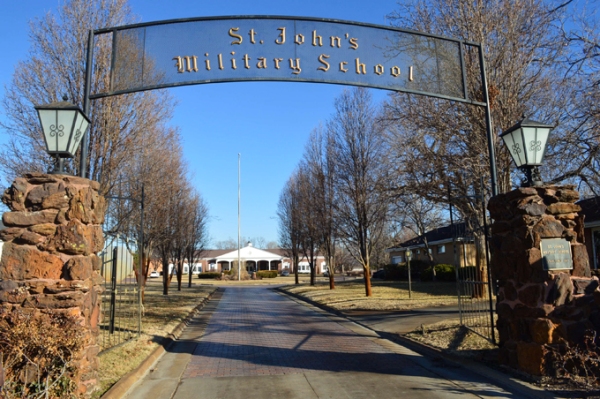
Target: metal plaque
[(227, 49), (556, 254)]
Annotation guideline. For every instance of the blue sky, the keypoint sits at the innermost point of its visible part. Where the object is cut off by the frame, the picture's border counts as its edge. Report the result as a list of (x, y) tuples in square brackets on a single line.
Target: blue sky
[(267, 122)]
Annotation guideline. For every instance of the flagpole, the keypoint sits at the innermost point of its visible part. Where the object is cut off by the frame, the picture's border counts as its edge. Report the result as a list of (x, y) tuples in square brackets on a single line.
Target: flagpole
[(239, 265)]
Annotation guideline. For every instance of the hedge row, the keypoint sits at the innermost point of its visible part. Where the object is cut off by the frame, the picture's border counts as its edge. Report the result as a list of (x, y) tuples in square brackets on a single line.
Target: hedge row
[(420, 270), (266, 273), (209, 275)]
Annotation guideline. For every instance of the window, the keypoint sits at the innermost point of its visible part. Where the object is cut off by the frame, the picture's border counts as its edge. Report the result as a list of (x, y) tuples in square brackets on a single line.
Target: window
[(417, 252), (441, 249), (397, 259)]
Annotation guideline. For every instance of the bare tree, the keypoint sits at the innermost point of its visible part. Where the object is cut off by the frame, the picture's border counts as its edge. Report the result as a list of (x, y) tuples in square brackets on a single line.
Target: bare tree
[(197, 232), (289, 221), (320, 164), (309, 219), (362, 181)]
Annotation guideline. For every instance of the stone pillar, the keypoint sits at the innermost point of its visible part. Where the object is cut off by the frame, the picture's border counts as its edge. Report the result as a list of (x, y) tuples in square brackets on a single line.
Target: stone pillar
[(49, 261), (540, 310)]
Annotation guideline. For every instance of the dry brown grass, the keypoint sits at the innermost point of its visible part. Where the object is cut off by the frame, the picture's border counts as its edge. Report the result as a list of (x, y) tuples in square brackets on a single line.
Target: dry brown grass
[(350, 295), (162, 314)]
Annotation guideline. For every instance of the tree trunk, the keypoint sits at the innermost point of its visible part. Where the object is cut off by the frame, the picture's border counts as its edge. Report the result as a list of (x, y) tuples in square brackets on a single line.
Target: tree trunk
[(368, 290)]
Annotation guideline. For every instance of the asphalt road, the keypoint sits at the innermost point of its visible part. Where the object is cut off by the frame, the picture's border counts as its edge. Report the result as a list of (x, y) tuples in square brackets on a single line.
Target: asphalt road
[(256, 343)]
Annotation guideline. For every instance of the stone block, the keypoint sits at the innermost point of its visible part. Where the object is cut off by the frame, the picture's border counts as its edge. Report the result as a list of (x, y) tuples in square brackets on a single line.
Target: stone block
[(78, 268), (10, 233), (548, 227), (581, 261), (14, 198), (542, 330), (563, 289), (65, 300), (567, 195), (58, 200), (41, 178), (36, 195), (26, 219), (70, 239), (531, 295), (96, 262), (46, 229), (531, 358), (510, 291), (29, 238), (27, 262), (584, 286), (563, 207), (533, 209)]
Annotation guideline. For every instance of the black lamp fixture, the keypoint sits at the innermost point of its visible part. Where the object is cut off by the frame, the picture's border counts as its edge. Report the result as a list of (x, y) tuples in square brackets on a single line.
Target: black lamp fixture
[(526, 142), (64, 125)]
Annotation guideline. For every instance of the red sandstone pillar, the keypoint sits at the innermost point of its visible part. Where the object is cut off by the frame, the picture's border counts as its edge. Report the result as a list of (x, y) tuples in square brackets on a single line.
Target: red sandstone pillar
[(540, 310), (49, 261)]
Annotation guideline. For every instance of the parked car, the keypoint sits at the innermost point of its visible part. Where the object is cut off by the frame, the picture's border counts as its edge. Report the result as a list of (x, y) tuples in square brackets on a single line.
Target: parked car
[(326, 273), (379, 274), (154, 274), (285, 273)]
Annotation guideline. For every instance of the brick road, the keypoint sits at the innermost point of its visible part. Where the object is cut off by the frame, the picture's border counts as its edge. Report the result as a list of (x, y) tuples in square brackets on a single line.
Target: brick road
[(255, 343), (259, 332)]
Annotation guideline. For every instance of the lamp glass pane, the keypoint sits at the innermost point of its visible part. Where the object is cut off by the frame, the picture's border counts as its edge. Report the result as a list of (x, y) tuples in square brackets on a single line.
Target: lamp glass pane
[(532, 144), (542, 134), (48, 122), (65, 119), (515, 147), (81, 125)]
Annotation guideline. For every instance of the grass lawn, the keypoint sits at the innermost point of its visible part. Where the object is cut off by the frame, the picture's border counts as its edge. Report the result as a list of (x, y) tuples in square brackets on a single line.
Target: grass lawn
[(387, 295)]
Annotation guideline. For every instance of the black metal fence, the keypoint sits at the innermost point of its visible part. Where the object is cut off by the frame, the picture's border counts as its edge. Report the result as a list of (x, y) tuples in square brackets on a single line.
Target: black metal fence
[(475, 293), (120, 300)]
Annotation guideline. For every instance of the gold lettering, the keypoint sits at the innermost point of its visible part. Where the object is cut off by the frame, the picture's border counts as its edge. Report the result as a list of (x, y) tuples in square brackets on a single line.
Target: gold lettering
[(410, 73), (281, 37), (354, 43), (379, 69), (207, 62), (295, 66), (220, 58), (395, 71), (179, 64), (336, 40), (262, 63), (252, 33), (246, 59), (189, 65), (360, 67), (233, 66), (277, 61), (299, 39), (316, 37), (322, 61), (342, 64), (238, 37)]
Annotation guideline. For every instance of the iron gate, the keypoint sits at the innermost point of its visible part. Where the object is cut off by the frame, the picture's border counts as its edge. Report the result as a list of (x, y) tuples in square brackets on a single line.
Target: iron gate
[(474, 290), (120, 304)]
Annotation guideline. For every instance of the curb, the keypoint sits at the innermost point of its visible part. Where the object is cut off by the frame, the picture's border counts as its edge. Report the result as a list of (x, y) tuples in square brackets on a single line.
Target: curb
[(521, 388), (121, 387)]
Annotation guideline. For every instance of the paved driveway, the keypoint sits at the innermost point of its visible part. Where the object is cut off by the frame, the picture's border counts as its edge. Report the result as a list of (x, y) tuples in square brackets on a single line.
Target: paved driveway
[(260, 344)]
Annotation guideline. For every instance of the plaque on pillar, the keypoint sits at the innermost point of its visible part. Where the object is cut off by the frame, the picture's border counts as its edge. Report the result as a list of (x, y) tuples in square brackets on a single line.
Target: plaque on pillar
[(556, 254)]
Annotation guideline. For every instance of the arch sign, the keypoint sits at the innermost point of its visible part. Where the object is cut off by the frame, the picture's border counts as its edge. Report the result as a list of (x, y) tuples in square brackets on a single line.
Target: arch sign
[(296, 49)]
